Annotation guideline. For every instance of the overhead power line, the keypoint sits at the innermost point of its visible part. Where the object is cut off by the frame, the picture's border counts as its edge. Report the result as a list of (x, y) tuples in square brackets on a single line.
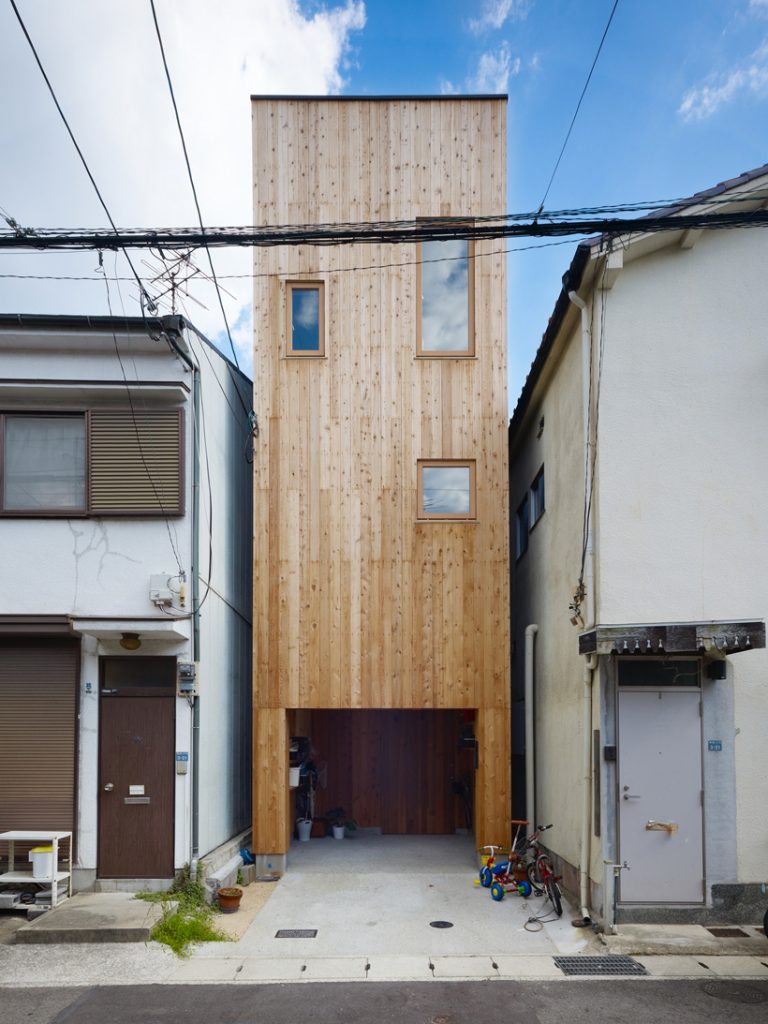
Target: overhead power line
[(191, 179), (145, 295), (395, 233), (578, 107)]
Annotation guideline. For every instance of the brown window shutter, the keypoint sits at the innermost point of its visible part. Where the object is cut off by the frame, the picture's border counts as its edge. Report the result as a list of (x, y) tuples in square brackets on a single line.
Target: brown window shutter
[(38, 714), (135, 462)]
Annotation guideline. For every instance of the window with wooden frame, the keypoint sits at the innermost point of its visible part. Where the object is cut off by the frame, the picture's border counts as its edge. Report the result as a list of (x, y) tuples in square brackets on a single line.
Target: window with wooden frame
[(446, 489), (445, 286), (99, 462), (305, 318)]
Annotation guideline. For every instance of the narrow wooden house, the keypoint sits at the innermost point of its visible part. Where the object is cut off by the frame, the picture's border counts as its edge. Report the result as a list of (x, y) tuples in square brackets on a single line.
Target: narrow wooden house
[(381, 608)]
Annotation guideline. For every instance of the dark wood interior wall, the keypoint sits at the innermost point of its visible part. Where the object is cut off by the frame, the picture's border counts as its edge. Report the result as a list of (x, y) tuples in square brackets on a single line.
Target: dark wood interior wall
[(393, 768)]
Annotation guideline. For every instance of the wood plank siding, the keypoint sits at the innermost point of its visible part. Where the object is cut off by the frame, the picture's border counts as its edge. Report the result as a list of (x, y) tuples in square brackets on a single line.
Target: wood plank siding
[(357, 604)]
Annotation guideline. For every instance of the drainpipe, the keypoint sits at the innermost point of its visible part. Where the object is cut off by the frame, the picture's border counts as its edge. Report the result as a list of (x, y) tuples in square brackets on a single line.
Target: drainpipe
[(590, 661), (172, 327), (530, 750)]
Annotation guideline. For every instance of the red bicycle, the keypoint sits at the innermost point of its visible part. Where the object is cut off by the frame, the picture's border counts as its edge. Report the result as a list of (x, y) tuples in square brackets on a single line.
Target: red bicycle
[(540, 873)]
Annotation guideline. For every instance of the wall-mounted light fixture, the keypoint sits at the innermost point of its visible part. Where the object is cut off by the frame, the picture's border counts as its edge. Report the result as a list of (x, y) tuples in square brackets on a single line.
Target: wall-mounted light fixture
[(130, 641)]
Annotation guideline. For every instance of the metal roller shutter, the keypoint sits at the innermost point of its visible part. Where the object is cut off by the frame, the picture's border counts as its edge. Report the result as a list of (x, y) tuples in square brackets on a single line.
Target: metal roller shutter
[(38, 743), (135, 462)]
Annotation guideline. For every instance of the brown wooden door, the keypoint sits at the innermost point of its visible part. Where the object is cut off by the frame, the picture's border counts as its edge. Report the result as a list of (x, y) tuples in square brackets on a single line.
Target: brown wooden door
[(136, 787)]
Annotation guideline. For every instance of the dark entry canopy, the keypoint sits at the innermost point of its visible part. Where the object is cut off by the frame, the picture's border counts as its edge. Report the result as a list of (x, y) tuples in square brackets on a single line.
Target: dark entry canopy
[(713, 639)]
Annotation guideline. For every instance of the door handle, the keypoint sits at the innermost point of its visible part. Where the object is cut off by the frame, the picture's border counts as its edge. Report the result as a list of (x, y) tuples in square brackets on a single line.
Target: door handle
[(661, 826), (109, 787), (631, 796)]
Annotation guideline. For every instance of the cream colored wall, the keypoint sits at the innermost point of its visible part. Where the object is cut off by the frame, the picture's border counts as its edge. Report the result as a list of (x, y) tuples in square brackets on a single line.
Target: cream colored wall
[(543, 582), (682, 461)]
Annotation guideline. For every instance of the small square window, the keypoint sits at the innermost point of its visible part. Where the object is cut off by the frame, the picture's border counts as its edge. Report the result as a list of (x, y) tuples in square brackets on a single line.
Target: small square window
[(522, 525), (446, 489), (306, 318), (537, 498)]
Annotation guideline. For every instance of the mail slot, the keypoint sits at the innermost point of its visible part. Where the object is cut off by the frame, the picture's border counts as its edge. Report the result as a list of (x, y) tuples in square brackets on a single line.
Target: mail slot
[(136, 800)]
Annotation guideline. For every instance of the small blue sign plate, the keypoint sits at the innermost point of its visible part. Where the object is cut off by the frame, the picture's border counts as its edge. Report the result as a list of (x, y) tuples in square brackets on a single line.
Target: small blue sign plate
[(714, 744), (182, 755)]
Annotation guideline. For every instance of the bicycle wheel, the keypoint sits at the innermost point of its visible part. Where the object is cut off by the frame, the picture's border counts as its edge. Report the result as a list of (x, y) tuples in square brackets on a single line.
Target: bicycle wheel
[(497, 892), (534, 878), (553, 895), (486, 878)]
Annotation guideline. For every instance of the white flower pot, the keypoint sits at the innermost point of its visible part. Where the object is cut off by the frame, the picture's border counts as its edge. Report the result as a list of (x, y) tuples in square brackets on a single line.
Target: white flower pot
[(338, 831), (304, 826)]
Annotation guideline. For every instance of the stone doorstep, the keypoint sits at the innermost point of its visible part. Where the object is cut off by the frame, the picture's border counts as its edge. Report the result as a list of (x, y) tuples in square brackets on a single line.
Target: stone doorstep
[(93, 917), (683, 940)]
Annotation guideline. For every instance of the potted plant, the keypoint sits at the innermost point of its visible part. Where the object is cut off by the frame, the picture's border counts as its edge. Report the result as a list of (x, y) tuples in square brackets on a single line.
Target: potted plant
[(229, 899), (336, 819)]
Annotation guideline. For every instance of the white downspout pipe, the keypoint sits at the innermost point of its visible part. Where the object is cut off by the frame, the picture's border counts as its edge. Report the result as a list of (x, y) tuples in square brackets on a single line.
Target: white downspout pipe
[(530, 751), (590, 661)]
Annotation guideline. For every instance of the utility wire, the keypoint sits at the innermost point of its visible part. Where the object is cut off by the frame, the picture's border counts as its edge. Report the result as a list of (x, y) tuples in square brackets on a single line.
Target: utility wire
[(269, 237), (145, 295), (191, 179), (578, 108), (300, 273)]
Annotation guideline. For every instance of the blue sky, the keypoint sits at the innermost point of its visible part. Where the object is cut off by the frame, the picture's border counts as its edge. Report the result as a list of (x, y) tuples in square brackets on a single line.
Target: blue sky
[(678, 102)]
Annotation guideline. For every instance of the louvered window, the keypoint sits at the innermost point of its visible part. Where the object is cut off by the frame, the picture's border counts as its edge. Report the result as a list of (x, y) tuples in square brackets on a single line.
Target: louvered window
[(135, 462), (106, 462)]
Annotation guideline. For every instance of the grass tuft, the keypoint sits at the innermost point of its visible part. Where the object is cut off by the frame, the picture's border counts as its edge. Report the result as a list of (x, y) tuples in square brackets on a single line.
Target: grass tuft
[(190, 921)]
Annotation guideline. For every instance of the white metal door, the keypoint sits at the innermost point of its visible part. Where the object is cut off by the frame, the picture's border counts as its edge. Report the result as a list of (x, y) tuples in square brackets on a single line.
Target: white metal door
[(660, 796)]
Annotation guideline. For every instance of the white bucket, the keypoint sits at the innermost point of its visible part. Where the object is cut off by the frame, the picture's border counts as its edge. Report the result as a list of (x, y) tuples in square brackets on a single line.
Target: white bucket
[(338, 831), (293, 777), (42, 861), (304, 826)]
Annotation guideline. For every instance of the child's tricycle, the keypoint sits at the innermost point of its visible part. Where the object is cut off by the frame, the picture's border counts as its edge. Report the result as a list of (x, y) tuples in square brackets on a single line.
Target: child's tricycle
[(510, 875)]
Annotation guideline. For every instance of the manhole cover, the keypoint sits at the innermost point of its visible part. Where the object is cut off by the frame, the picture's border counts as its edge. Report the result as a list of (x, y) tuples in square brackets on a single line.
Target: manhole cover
[(441, 924), (734, 992), (296, 933), (608, 965)]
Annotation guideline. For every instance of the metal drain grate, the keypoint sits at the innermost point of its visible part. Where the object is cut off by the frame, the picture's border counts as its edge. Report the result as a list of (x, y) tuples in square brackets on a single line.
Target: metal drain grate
[(296, 933), (610, 965), (441, 924), (728, 933)]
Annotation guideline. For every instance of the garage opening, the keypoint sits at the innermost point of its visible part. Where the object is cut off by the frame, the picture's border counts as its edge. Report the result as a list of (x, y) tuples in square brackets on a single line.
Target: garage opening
[(404, 772)]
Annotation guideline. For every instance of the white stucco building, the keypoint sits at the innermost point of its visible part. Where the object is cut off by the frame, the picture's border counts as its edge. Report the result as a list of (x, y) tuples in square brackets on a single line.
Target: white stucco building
[(640, 578), (125, 592)]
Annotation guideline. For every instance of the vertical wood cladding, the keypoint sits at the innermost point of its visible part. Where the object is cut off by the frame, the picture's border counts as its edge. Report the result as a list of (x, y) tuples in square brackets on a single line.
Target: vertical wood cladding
[(357, 604)]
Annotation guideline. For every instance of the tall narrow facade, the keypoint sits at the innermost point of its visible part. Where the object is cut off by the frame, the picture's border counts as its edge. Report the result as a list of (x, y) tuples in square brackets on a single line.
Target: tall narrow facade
[(381, 603)]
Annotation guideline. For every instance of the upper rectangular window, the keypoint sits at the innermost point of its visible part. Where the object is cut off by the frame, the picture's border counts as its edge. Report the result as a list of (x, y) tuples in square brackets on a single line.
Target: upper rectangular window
[(44, 463), (537, 497), (445, 286), (102, 462), (446, 489), (306, 318)]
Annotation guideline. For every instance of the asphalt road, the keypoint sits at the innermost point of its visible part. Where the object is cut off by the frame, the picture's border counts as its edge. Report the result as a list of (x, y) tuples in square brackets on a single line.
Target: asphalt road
[(614, 1001)]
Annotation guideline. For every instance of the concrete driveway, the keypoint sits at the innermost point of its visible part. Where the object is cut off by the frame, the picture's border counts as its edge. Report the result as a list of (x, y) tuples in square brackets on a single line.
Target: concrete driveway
[(376, 895)]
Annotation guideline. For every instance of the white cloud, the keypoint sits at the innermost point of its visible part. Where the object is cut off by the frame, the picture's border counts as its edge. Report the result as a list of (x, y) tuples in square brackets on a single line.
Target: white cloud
[(759, 7), (750, 77), (494, 13), (491, 75), (104, 63)]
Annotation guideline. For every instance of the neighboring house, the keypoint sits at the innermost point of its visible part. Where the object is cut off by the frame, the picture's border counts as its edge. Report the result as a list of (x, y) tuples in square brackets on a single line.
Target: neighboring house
[(381, 541), (125, 590), (638, 451)]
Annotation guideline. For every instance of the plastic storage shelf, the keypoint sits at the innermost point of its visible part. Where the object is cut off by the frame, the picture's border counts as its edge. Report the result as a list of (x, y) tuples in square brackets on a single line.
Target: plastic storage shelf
[(13, 877)]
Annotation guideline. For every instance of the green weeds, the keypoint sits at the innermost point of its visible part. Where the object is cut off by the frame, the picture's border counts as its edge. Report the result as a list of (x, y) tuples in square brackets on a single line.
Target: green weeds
[(190, 921)]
